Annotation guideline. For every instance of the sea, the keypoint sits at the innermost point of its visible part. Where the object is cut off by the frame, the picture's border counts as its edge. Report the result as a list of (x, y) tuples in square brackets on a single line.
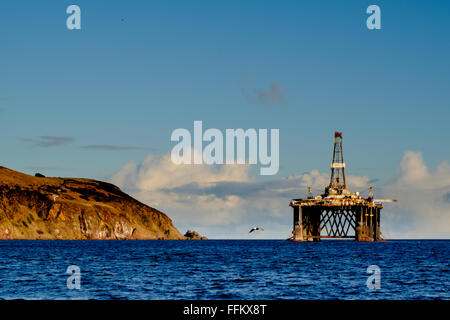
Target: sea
[(225, 269)]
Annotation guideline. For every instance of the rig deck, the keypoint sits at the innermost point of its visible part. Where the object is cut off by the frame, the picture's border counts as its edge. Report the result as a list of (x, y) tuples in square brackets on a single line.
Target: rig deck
[(344, 219)]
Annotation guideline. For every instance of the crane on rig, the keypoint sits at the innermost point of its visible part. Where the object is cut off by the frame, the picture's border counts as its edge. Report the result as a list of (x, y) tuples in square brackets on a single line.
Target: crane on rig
[(378, 200)]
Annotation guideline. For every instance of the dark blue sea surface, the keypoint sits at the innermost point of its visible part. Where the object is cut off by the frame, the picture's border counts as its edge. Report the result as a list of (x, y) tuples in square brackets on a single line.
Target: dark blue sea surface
[(224, 269)]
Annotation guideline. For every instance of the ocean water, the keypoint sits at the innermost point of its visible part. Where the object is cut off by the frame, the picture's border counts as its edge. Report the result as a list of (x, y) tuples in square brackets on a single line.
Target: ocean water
[(224, 269)]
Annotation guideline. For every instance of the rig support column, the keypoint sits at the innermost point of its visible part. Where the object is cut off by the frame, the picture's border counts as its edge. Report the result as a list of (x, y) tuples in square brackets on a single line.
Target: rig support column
[(298, 224)]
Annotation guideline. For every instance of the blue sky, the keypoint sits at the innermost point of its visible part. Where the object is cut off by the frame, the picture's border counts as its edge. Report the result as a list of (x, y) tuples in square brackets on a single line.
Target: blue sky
[(140, 69)]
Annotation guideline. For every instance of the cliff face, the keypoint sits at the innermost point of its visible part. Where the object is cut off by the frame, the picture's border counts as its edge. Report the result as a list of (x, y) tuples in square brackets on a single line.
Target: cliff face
[(66, 208)]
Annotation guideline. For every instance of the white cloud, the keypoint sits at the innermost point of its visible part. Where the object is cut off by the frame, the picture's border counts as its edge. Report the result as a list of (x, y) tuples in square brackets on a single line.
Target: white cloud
[(423, 209), (156, 180)]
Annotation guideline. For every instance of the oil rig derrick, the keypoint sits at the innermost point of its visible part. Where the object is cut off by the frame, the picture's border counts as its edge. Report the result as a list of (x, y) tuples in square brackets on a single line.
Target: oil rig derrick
[(337, 213)]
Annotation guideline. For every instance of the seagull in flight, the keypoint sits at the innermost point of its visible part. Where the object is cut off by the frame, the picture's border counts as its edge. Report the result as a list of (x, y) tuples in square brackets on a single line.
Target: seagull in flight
[(255, 228)]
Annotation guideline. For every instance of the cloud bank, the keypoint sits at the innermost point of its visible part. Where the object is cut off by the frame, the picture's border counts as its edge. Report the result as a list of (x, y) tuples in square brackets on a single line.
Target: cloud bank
[(225, 201), (222, 199)]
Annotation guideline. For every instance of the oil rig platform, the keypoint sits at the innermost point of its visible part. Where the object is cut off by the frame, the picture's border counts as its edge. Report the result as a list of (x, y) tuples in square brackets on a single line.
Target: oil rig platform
[(337, 213)]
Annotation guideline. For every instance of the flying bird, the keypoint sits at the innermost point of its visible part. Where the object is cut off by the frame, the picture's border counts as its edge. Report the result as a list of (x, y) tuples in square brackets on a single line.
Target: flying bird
[(255, 228)]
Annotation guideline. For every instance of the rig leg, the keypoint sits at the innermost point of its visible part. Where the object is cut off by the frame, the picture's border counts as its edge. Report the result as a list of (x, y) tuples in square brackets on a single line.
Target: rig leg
[(316, 226), (298, 224), (359, 225)]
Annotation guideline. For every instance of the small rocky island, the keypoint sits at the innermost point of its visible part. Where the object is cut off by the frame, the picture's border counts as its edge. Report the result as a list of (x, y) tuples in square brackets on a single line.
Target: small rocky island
[(194, 235), (38, 207)]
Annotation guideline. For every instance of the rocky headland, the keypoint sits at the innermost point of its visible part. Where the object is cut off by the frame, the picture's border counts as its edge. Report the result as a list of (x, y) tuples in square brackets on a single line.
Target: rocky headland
[(38, 207)]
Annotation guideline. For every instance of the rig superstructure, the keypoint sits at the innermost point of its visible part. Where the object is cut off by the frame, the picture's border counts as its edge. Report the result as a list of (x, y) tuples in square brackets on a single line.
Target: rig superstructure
[(337, 213)]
